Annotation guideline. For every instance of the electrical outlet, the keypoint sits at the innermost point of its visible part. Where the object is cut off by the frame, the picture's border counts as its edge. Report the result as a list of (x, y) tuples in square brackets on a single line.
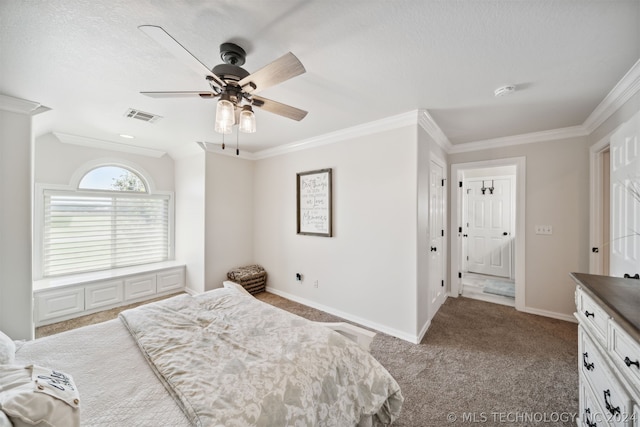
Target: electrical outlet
[(544, 229), (315, 283)]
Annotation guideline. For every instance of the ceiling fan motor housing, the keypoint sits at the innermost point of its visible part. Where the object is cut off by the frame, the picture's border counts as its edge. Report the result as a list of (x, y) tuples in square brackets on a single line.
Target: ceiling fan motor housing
[(232, 54)]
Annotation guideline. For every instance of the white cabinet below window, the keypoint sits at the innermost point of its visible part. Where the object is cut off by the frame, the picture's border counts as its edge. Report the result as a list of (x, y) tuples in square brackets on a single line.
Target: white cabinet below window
[(140, 287), (103, 294), (55, 304), (59, 303), (170, 280)]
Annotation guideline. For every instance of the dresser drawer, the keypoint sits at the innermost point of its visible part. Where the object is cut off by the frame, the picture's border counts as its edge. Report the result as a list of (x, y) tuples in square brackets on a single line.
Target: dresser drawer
[(590, 412), (626, 354), (591, 315), (609, 394)]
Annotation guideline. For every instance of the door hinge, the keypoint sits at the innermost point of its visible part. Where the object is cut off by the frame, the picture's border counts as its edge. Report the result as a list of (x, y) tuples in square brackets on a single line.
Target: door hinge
[(460, 184), (459, 274), (442, 283), (442, 181), (459, 229), (442, 233)]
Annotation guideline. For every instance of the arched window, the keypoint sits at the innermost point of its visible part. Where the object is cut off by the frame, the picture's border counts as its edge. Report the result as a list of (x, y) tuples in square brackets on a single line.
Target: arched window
[(113, 178), (110, 221)]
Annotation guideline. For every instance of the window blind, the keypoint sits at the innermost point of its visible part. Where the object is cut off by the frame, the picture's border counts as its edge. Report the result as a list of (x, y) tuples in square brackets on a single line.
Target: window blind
[(86, 231)]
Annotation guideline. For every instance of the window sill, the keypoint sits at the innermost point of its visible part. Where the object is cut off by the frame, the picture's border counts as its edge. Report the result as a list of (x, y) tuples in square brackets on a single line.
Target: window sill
[(95, 276)]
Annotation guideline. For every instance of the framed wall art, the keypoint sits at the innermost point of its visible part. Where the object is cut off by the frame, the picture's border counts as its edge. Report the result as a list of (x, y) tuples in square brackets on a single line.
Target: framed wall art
[(314, 203)]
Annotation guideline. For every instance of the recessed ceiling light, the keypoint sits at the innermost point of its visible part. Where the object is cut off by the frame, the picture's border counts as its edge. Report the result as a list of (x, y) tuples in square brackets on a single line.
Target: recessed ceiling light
[(504, 90), (122, 135)]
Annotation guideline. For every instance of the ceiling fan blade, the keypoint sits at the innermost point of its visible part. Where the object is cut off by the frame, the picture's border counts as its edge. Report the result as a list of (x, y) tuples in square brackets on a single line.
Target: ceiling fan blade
[(279, 108), (172, 45), (180, 94), (283, 68)]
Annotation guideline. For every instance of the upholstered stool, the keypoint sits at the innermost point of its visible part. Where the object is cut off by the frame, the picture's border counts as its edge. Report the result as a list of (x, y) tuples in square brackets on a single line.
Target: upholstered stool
[(252, 278)]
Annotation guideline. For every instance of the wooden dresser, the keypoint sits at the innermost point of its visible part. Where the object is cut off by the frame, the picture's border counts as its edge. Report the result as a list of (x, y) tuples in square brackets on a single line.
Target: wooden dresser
[(608, 313)]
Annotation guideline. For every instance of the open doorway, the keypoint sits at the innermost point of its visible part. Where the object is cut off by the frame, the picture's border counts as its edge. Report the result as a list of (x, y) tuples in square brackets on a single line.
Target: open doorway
[(487, 254), (488, 208)]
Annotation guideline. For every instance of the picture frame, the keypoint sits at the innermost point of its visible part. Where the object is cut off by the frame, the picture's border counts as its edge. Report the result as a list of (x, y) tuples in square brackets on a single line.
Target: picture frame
[(314, 203)]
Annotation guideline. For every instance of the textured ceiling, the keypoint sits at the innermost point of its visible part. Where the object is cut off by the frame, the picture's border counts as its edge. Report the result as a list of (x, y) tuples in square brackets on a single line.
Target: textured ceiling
[(365, 59)]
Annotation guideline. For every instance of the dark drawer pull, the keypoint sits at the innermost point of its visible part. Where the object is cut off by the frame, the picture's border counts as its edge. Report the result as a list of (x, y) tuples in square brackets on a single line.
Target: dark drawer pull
[(589, 423), (610, 408), (587, 314), (586, 364), (628, 362)]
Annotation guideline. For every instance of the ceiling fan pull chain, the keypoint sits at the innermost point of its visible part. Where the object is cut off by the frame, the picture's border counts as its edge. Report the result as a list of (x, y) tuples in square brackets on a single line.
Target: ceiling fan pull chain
[(223, 141), (237, 141)]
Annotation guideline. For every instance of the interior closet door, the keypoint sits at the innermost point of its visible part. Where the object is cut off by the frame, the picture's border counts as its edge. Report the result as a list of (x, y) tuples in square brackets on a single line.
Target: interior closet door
[(489, 233), (436, 230), (625, 200)]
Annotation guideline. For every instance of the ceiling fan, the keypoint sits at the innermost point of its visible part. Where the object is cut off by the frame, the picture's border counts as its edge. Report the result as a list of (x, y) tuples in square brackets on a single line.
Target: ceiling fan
[(233, 85)]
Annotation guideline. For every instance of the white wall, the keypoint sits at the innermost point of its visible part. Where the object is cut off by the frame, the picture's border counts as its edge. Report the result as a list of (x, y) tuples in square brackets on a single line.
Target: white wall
[(367, 271), (557, 194), (229, 212), (190, 218), (16, 166), (56, 162)]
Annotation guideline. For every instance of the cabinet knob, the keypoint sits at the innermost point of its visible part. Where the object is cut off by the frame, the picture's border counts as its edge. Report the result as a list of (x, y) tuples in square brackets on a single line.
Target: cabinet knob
[(628, 362)]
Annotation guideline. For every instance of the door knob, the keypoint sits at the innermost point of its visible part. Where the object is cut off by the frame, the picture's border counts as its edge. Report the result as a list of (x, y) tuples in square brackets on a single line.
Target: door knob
[(505, 233), (433, 249)]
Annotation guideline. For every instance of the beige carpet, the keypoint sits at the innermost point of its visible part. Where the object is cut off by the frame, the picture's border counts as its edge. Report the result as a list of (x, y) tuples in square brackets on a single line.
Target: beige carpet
[(479, 363)]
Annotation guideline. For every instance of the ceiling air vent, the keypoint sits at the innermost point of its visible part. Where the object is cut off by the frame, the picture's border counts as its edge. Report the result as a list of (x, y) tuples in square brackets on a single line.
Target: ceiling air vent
[(141, 115)]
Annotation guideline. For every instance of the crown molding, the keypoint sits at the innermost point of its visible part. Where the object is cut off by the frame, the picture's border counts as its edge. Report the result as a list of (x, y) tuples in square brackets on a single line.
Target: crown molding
[(527, 138), (389, 123), (628, 86), (426, 122), (211, 147), (21, 106), (107, 145)]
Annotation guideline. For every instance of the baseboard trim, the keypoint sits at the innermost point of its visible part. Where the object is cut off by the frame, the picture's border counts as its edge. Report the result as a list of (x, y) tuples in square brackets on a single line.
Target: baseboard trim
[(552, 314), (360, 321)]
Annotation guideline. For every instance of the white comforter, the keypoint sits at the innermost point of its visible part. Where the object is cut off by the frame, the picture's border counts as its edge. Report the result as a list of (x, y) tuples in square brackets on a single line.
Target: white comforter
[(116, 385), (231, 360)]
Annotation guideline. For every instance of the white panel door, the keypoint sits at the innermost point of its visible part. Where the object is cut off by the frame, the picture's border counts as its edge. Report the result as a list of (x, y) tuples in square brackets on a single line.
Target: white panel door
[(489, 226), (625, 199), (436, 232)]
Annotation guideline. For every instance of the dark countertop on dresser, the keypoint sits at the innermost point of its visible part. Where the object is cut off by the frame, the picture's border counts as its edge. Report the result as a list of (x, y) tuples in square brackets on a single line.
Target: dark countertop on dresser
[(620, 298)]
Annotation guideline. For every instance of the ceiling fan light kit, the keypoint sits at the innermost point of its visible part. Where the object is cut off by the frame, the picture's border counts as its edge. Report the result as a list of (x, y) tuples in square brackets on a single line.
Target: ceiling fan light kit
[(247, 120), (235, 87)]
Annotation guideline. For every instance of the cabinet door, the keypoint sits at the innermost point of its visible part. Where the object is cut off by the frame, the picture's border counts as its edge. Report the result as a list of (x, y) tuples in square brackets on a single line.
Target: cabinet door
[(59, 303), (170, 280), (139, 286), (103, 294)]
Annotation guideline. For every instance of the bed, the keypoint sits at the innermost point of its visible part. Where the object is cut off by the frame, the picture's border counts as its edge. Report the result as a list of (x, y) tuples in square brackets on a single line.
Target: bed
[(222, 358)]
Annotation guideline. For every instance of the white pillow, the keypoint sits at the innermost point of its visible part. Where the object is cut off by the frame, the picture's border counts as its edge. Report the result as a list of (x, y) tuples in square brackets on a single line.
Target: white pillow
[(36, 396), (7, 349)]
